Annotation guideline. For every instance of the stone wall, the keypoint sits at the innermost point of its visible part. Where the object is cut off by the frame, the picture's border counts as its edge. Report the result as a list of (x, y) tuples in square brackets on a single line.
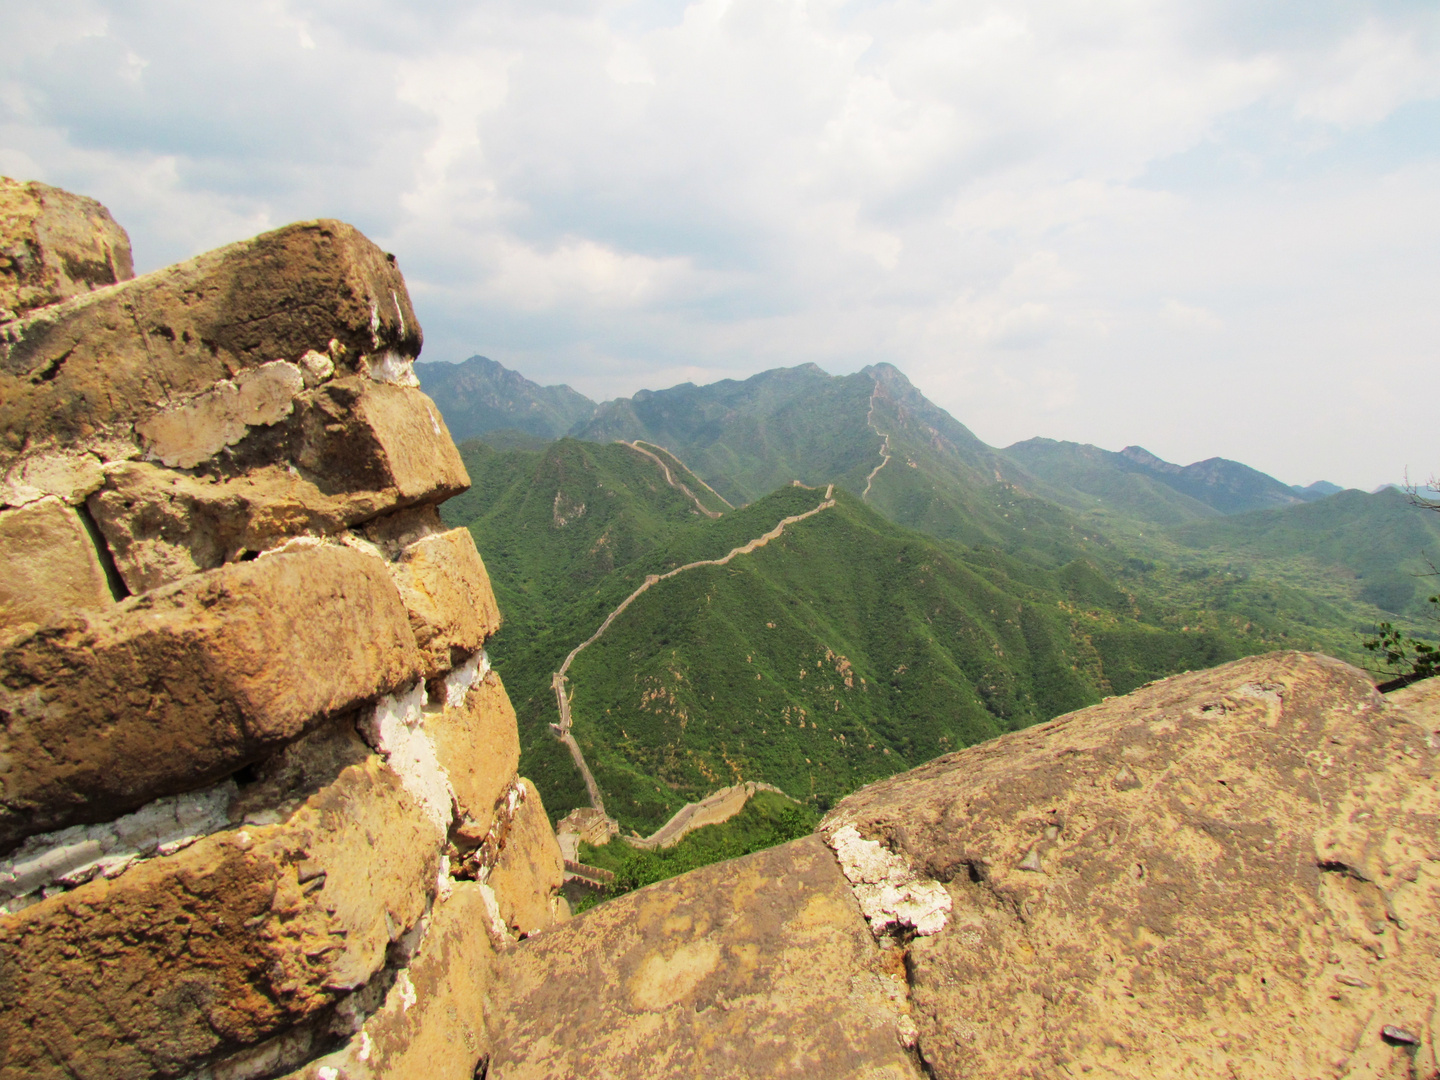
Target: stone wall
[(259, 808)]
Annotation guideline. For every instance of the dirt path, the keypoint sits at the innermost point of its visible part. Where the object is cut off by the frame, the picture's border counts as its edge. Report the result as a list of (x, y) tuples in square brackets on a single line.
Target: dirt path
[(639, 447), (557, 680), (884, 446)]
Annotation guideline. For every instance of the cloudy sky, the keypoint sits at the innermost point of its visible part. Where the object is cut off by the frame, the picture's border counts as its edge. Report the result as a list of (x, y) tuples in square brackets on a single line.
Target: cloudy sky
[(1207, 227)]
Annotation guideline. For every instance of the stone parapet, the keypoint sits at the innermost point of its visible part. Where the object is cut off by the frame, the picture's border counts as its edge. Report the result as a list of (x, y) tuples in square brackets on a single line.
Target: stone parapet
[(184, 685), (259, 809), (125, 370)]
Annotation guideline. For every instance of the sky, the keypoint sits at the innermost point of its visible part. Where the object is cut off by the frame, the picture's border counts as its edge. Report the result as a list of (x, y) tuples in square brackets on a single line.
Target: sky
[(1207, 227)]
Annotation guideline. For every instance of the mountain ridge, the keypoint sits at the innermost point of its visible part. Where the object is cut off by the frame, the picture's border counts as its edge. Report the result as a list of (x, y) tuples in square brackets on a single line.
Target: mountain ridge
[(481, 395), (712, 425)]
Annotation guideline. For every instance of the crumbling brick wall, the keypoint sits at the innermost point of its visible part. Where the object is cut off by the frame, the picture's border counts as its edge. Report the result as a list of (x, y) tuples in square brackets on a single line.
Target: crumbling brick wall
[(259, 809)]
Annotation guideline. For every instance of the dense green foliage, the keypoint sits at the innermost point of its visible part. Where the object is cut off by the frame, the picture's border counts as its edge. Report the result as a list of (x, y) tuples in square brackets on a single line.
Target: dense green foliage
[(766, 820), (909, 646), (1406, 660), (844, 651), (1381, 542), (961, 599)]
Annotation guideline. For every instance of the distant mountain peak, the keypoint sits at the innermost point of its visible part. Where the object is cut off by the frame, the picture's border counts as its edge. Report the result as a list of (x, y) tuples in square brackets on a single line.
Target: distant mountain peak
[(480, 395), (1141, 456)]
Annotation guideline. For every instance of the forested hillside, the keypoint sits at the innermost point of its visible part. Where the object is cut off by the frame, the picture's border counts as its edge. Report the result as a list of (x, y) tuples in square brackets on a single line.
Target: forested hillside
[(952, 592)]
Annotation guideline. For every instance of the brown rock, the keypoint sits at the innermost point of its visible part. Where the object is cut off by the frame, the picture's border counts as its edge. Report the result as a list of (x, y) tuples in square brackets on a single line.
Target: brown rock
[(394, 532), (54, 245), (530, 869), (233, 940), (178, 688), (432, 1025), (162, 525), (353, 450), (1260, 903), (48, 565), (761, 966), (478, 746), (195, 431), (83, 373), (356, 435), (447, 592), (1421, 700)]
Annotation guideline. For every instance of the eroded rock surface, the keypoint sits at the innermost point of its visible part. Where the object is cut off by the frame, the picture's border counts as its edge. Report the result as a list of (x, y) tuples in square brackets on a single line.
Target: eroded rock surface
[(432, 1023), (762, 966), (48, 563), (1228, 873), (55, 245), (238, 938), (100, 373)]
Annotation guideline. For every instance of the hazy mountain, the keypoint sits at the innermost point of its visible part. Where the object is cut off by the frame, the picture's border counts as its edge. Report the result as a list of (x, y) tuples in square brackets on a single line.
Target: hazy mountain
[(872, 429), (746, 438), (1321, 489), (1136, 482), (478, 396)]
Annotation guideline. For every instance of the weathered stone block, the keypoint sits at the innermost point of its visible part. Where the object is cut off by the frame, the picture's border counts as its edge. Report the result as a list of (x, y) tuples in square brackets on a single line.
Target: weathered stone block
[(162, 525), (54, 245), (48, 565), (355, 434), (182, 686), (236, 939), (193, 432), (1226, 873), (392, 533), (83, 374), (762, 966), (1420, 701), (478, 745), (353, 450), (432, 1025), (447, 592), (530, 869)]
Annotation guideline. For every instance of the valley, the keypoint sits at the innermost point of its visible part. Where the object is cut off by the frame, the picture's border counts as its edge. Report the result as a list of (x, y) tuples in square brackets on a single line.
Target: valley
[(950, 591)]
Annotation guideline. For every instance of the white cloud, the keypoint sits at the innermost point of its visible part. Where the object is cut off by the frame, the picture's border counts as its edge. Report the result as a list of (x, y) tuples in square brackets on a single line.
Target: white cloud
[(1195, 226)]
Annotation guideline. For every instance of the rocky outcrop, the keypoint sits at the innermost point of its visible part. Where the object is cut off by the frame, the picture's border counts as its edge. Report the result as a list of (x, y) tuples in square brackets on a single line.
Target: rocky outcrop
[(259, 808), (191, 366), (1227, 873), (1232, 872)]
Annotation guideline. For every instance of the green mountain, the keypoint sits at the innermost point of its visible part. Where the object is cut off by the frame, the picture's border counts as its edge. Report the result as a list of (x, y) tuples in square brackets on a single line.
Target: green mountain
[(952, 591), (479, 396), (748, 438), (1137, 483), (846, 649), (1380, 543), (871, 433), (1319, 490), (922, 644)]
